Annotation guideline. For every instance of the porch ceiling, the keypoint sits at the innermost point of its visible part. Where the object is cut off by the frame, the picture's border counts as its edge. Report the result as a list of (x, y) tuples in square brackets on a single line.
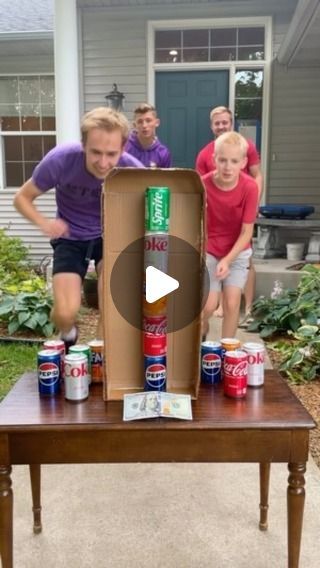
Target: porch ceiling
[(301, 45)]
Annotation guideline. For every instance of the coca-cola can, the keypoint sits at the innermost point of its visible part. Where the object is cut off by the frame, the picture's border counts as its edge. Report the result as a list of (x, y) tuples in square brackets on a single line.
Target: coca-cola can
[(235, 373), (155, 324), (156, 247), (76, 377), (255, 353), (154, 344)]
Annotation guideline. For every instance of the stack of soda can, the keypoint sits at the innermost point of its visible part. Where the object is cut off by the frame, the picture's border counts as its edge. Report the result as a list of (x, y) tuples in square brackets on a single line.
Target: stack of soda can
[(81, 366), (237, 366), (156, 244)]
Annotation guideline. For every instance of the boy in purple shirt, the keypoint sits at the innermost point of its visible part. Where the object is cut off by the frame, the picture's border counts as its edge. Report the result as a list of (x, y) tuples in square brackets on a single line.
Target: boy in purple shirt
[(76, 171), (143, 143)]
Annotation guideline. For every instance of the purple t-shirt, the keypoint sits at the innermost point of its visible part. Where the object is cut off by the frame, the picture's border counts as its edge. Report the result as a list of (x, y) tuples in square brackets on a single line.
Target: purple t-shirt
[(78, 193), (156, 155)]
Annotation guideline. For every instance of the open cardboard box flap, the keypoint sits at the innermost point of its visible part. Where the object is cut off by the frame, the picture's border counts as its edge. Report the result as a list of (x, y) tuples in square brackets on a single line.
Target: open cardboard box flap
[(123, 221)]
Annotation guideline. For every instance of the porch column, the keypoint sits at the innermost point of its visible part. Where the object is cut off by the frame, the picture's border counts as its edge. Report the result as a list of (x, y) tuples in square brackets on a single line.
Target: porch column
[(66, 71)]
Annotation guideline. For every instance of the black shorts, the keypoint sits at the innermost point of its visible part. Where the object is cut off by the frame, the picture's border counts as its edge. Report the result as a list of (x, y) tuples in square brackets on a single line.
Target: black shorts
[(74, 256)]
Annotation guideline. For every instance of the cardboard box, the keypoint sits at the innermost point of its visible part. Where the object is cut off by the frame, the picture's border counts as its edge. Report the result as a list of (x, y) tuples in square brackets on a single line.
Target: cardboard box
[(123, 212)]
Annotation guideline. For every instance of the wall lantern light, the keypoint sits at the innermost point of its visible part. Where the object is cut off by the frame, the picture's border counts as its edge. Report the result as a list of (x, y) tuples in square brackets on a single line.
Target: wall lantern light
[(115, 98)]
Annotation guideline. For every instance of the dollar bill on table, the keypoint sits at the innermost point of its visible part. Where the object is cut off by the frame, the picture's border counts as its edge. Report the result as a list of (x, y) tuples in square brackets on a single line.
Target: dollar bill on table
[(176, 406), (141, 405), (153, 404)]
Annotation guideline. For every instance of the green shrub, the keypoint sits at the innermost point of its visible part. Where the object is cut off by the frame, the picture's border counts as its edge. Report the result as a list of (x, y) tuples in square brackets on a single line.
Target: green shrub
[(26, 311), (291, 309)]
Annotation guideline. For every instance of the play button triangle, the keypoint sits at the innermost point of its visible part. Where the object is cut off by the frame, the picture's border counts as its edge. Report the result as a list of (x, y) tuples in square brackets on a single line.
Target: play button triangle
[(158, 284)]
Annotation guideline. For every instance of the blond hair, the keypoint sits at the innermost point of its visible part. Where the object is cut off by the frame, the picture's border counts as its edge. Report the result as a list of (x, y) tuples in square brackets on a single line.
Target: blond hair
[(142, 108), (220, 110), (234, 139), (107, 119)]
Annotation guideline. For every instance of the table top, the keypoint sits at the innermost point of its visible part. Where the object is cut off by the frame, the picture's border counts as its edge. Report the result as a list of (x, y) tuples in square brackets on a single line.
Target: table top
[(273, 406)]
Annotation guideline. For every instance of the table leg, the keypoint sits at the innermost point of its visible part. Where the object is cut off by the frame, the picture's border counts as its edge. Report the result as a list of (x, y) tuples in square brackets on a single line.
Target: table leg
[(6, 517), (35, 478), (295, 503), (264, 495)]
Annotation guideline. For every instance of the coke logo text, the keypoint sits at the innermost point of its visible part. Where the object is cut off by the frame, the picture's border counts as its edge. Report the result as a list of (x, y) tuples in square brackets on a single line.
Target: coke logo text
[(236, 369), (156, 326), (256, 358), (156, 244), (76, 372)]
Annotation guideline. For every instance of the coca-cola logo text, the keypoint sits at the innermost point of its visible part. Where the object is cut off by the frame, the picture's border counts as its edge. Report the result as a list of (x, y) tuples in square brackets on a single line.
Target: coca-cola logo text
[(236, 369), (157, 325)]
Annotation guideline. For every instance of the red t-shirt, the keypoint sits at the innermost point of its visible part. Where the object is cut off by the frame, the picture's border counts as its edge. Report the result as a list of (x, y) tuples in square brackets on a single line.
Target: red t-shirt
[(227, 211), (205, 161)]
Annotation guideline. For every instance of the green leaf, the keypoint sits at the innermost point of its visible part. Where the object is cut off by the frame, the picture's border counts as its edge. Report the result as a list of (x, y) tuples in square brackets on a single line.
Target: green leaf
[(296, 359), (32, 322), (268, 330), (48, 329), (13, 326), (306, 331), (294, 322), (42, 318), (5, 309), (22, 317)]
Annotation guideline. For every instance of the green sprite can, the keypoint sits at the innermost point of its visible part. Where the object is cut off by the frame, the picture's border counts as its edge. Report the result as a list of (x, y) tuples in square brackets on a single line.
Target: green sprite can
[(157, 209), (85, 350)]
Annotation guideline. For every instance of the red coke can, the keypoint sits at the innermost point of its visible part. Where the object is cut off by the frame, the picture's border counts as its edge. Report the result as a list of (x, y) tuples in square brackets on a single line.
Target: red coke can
[(155, 324), (235, 373), (154, 344), (255, 352)]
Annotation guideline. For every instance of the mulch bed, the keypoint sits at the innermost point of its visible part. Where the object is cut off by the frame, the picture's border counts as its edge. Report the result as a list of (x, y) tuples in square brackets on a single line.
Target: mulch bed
[(309, 393)]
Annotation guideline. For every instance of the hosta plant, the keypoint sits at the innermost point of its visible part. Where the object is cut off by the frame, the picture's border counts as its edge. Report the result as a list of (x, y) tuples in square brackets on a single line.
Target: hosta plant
[(300, 356), (27, 312), (290, 308)]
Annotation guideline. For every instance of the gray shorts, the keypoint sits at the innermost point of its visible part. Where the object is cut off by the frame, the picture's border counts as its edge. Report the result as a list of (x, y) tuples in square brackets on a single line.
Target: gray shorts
[(238, 271)]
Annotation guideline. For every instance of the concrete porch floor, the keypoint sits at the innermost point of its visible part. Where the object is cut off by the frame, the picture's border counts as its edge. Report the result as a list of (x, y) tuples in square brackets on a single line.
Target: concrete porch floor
[(269, 270), (161, 515)]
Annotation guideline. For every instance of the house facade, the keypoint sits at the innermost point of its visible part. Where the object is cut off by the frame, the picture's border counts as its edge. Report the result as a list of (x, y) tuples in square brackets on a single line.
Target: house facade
[(59, 59)]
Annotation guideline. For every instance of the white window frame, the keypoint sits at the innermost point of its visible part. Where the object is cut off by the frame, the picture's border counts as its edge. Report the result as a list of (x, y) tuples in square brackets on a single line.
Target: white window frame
[(4, 133), (231, 66)]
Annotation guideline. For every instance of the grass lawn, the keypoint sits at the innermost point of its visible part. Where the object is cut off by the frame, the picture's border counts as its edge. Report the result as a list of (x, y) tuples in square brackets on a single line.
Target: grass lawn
[(15, 359)]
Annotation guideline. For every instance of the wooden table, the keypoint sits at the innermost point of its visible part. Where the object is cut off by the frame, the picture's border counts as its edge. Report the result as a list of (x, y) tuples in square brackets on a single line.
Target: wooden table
[(269, 425)]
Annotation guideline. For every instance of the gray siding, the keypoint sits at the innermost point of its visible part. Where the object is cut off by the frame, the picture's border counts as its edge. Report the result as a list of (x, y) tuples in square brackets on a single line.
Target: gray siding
[(38, 58), (294, 168), (114, 42), (16, 226)]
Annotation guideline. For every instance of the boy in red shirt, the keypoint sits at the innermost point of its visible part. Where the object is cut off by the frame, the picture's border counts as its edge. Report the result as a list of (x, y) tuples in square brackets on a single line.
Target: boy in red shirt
[(232, 200)]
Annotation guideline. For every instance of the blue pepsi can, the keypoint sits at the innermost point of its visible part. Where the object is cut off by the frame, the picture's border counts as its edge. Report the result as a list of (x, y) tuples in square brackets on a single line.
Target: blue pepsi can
[(49, 372), (211, 362), (155, 373)]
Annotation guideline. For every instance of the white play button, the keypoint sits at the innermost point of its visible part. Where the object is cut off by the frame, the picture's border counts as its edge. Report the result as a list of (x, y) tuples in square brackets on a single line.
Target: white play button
[(158, 284)]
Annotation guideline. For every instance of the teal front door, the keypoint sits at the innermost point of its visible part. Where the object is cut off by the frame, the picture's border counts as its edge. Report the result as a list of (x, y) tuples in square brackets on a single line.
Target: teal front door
[(183, 101)]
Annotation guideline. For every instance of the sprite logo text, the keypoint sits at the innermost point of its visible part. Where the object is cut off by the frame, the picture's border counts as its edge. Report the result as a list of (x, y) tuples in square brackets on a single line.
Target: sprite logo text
[(157, 202)]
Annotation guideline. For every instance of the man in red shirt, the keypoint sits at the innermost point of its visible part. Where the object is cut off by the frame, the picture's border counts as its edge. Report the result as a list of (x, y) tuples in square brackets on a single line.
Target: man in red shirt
[(221, 121), (232, 200)]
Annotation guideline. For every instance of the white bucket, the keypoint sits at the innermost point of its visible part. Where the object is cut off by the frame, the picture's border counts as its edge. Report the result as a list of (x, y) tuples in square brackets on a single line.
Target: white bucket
[(295, 251)]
